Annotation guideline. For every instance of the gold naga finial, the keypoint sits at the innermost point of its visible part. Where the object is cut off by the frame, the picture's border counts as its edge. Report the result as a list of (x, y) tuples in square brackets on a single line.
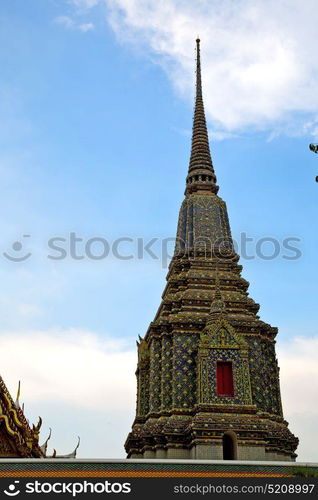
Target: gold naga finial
[(36, 428), (18, 395), (44, 445)]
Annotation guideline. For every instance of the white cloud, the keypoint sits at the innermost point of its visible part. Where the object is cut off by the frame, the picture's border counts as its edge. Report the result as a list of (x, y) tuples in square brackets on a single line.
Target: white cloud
[(86, 4), (77, 373), (257, 56), (69, 23), (299, 385), (65, 21), (299, 375), (220, 135), (64, 365), (27, 310), (86, 27)]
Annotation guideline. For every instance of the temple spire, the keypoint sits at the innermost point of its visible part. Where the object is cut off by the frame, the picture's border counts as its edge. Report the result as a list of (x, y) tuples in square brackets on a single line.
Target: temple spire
[(201, 176), (198, 71)]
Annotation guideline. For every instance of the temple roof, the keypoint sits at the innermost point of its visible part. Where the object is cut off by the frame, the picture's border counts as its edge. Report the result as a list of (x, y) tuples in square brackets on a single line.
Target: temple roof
[(17, 438)]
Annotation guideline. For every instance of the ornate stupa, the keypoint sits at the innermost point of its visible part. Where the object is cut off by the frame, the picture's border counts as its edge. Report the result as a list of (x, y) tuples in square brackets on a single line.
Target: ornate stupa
[(207, 374)]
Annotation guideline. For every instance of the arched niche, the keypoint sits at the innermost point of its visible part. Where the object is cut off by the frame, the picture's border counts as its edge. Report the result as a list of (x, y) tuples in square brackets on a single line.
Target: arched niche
[(229, 446)]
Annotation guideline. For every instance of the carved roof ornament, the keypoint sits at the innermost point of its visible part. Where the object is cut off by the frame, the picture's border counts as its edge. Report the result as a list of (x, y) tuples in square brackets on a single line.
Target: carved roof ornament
[(44, 445), (36, 428), (143, 350), (218, 307), (218, 304), (221, 335)]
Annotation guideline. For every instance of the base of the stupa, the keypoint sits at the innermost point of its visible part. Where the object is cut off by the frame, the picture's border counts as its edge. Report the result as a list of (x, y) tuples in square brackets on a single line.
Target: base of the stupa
[(212, 436), (215, 452)]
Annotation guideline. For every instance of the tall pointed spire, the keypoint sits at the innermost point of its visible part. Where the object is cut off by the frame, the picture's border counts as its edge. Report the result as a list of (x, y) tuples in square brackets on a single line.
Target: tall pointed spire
[(201, 176)]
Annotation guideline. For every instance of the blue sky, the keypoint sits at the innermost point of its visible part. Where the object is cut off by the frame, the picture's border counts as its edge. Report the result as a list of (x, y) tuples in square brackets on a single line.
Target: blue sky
[(96, 102)]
